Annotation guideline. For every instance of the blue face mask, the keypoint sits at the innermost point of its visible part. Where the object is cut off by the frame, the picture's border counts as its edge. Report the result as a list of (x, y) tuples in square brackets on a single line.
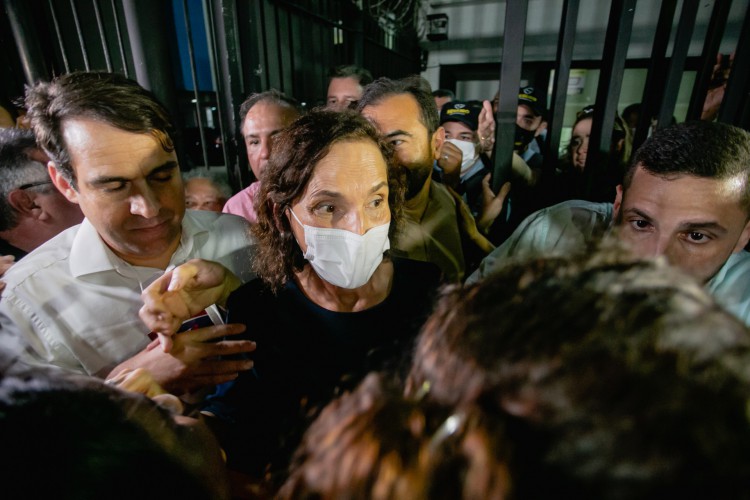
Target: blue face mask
[(343, 258)]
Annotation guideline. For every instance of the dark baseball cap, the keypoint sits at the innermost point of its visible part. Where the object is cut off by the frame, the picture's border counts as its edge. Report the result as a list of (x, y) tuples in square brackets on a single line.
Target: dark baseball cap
[(529, 96), (461, 111)]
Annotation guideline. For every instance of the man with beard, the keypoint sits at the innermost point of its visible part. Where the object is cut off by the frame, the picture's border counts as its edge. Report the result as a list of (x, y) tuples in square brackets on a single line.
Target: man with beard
[(686, 196), (434, 229)]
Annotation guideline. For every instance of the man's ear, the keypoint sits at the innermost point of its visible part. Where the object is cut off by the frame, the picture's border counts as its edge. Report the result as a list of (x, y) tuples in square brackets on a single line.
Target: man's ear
[(744, 238), (617, 203), (23, 203), (438, 138), (61, 183)]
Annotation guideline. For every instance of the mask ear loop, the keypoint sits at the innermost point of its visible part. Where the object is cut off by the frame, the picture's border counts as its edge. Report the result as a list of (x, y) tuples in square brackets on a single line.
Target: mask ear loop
[(289, 209)]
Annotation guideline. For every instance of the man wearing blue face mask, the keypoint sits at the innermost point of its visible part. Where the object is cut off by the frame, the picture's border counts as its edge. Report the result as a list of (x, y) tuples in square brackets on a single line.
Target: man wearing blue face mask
[(460, 120)]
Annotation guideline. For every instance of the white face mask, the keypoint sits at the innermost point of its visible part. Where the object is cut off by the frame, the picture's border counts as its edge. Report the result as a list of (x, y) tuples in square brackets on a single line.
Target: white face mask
[(343, 258), (469, 151)]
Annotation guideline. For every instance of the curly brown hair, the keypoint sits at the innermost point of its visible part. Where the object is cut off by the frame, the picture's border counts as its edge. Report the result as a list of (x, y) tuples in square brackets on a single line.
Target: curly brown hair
[(297, 151)]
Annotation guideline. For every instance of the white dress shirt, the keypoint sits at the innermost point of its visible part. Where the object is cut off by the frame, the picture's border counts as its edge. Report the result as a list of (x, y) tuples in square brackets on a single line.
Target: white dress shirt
[(76, 303)]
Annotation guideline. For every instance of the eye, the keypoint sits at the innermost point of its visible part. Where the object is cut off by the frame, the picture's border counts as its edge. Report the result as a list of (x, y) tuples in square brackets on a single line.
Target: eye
[(114, 187), (324, 209), (696, 237), (396, 142), (162, 176), (640, 224)]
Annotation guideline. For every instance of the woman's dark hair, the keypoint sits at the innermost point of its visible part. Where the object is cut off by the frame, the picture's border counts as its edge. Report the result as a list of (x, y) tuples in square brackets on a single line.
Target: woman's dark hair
[(297, 151), (374, 443)]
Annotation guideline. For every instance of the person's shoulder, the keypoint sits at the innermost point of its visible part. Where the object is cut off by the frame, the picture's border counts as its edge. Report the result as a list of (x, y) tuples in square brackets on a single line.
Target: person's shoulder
[(440, 193), (218, 222), (50, 253), (254, 289), (580, 206), (242, 197), (415, 273), (730, 287), (579, 213)]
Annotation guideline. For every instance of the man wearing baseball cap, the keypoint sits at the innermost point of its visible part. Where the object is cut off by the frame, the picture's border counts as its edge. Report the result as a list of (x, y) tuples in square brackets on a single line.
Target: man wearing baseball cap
[(529, 118), (460, 120)]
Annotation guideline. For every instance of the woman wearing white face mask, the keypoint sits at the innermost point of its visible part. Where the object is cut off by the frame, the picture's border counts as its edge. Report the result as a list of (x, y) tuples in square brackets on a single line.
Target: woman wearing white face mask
[(330, 304)]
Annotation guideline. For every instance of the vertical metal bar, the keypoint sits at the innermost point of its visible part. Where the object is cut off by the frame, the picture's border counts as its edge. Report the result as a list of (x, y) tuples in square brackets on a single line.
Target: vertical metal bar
[(677, 63), (652, 90), (58, 33), (510, 78), (27, 41), (230, 85), (79, 31), (565, 42), (737, 94), (194, 76), (102, 36), (610, 83), (145, 23), (215, 75), (708, 57), (120, 44)]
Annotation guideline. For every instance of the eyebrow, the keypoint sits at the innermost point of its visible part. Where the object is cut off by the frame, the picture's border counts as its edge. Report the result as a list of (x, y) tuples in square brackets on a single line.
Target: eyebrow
[(273, 132), (170, 165), (708, 225), (397, 132), (686, 226), (336, 194), (378, 187)]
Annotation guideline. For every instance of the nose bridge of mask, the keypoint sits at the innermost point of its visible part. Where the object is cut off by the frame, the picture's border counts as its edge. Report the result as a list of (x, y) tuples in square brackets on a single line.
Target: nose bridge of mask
[(316, 234), (344, 258)]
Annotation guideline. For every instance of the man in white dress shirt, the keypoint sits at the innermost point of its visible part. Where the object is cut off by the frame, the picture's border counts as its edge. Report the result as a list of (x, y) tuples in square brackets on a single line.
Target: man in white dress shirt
[(75, 299)]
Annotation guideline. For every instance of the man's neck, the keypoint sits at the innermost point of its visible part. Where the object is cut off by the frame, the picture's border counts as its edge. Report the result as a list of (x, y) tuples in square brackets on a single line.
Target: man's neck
[(158, 262), (27, 235), (415, 206)]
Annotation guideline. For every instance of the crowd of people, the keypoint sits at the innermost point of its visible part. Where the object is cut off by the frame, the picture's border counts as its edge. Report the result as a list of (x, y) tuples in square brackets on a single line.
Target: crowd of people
[(368, 318)]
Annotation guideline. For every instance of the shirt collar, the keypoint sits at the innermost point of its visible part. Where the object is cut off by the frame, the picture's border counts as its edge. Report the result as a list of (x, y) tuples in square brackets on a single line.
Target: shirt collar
[(478, 165), (89, 254)]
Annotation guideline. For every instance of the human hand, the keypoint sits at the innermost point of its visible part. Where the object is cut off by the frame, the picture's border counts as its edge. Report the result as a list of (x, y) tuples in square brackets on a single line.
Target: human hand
[(469, 225), (182, 293), (717, 86), (492, 204), (486, 129), (194, 361), (450, 161), (141, 381)]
